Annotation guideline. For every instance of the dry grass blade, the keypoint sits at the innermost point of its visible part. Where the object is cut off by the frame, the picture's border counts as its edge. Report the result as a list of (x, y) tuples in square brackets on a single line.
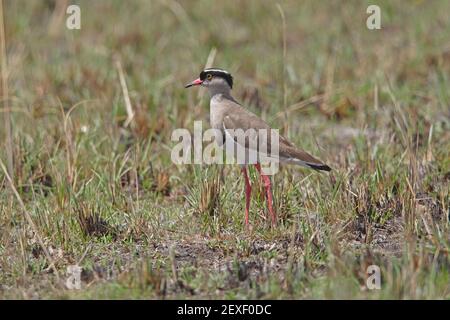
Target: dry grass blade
[(4, 95), (30, 221), (283, 73), (56, 21), (209, 63), (298, 106), (126, 96)]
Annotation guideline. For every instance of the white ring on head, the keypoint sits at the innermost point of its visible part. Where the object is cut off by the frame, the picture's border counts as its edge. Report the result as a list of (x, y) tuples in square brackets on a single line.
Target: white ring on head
[(216, 70)]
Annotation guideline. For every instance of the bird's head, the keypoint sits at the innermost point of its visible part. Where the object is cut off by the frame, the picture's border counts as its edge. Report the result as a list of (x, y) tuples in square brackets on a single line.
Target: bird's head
[(214, 79)]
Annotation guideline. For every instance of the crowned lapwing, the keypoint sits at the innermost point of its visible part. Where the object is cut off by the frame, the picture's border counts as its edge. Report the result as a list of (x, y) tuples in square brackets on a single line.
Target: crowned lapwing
[(226, 115)]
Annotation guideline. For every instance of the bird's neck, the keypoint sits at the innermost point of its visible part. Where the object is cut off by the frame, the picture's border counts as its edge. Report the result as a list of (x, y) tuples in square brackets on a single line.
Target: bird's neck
[(223, 90)]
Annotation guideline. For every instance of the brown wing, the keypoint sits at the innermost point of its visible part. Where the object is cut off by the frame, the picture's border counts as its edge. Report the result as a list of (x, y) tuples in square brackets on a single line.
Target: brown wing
[(239, 118)]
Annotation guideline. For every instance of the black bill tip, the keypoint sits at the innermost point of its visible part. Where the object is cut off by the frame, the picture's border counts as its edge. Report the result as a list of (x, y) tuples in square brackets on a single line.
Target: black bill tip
[(319, 167)]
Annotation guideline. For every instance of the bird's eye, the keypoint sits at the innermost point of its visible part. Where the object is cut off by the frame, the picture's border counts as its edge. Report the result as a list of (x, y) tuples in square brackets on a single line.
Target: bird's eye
[(209, 76)]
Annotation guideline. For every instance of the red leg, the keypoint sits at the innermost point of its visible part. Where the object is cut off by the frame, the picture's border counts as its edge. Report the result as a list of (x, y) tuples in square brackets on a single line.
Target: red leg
[(268, 188), (248, 191)]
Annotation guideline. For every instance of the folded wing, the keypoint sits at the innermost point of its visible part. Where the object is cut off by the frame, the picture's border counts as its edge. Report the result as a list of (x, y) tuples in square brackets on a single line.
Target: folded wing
[(240, 118)]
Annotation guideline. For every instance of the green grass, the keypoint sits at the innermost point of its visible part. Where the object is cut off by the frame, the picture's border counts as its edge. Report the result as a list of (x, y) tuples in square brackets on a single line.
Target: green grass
[(108, 197)]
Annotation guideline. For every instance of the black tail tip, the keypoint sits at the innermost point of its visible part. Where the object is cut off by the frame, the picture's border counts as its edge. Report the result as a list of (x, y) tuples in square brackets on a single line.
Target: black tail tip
[(320, 167)]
